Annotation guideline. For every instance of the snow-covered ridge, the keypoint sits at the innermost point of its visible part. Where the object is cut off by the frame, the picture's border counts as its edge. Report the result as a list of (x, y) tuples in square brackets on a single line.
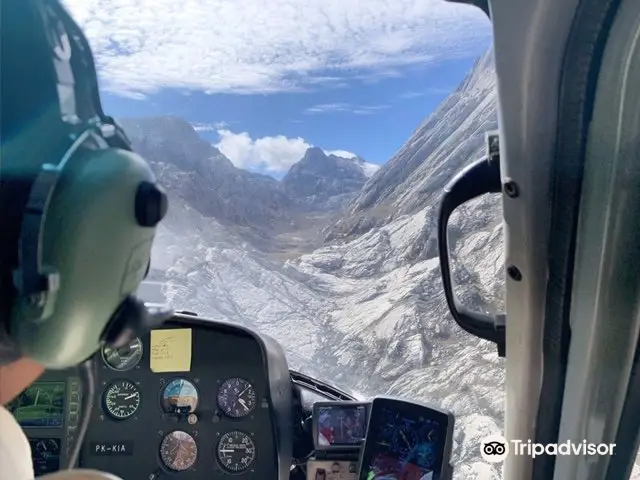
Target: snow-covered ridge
[(324, 182), (367, 168), (448, 139)]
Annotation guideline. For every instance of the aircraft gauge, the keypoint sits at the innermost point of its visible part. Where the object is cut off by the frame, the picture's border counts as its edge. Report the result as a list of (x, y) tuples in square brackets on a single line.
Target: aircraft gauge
[(237, 398), (178, 451), (236, 451), (45, 454), (179, 396), (123, 358), (46, 447), (121, 399)]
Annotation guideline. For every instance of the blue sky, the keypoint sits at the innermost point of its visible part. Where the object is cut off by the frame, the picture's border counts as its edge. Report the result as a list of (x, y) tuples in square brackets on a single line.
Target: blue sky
[(264, 80)]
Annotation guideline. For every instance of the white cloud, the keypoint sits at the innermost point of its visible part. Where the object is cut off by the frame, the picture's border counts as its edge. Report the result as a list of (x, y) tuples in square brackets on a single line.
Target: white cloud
[(254, 46), (345, 108), (369, 109), (340, 153), (275, 154), (370, 169), (411, 94), (210, 127), (133, 95), (328, 108), (427, 91)]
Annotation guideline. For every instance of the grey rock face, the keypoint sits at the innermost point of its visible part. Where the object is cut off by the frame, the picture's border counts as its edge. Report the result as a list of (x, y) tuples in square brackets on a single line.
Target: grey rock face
[(274, 216), (324, 182), (194, 170), (448, 139)]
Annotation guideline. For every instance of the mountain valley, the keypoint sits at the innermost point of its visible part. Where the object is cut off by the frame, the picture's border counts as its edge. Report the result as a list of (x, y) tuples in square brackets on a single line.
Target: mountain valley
[(341, 268), (283, 218)]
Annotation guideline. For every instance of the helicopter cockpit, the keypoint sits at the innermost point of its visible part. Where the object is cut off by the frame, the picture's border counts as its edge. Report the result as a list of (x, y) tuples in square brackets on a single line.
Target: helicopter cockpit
[(198, 399)]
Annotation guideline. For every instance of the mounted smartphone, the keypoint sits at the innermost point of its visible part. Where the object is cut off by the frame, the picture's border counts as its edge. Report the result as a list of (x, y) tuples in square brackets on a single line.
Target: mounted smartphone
[(339, 425), (406, 441)]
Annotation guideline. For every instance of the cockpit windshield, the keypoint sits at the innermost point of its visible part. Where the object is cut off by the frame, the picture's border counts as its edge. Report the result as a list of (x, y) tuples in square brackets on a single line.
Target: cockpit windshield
[(304, 147)]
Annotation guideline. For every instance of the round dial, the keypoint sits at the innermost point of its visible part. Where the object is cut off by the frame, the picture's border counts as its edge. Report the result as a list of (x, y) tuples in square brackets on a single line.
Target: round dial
[(179, 396), (178, 451), (122, 399), (123, 358), (237, 398), (47, 447), (236, 451)]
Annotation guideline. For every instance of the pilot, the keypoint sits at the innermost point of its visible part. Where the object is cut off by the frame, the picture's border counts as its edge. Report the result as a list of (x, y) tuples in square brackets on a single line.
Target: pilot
[(31, 107)]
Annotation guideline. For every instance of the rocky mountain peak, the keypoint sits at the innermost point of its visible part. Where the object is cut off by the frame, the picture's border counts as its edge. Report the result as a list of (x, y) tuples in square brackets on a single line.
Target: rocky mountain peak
[(172, 140), (256, 206), (313, 155), (324, 182)]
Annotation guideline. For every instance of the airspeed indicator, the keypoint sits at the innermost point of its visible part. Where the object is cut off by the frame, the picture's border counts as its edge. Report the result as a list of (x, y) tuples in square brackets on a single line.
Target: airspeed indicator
[(122, 399)]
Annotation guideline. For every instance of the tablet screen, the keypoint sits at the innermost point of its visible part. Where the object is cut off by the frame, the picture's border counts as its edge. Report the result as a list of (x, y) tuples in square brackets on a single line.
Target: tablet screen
[(403, 445)]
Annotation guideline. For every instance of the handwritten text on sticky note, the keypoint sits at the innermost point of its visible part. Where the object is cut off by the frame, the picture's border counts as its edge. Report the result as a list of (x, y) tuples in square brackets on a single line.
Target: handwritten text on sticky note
[(171, 350)]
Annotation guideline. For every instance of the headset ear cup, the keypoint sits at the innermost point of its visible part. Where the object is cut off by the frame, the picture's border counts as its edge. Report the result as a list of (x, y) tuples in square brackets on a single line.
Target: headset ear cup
[(94, 239)]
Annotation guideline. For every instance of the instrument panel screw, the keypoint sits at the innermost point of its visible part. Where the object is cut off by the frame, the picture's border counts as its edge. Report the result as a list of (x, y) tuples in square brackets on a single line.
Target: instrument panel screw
[(514, 273), (511, 188)]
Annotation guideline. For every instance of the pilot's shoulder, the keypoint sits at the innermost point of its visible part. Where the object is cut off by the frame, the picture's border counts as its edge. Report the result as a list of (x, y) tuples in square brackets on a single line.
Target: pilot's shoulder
[(15, 452)]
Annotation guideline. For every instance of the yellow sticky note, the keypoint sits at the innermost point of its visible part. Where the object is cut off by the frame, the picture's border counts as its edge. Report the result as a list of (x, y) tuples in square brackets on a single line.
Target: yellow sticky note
[(170, 350)]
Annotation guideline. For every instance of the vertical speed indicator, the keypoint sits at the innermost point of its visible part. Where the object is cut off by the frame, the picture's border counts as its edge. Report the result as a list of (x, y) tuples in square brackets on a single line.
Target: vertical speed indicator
[(236, 452)]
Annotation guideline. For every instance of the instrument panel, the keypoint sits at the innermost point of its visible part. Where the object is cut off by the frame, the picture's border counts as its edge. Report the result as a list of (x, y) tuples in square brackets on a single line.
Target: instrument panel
[(184, 401), (49, 412)]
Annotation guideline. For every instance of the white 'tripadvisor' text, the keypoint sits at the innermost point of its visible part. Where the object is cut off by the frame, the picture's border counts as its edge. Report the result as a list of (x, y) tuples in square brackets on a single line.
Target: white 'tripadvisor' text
[(518, 447)]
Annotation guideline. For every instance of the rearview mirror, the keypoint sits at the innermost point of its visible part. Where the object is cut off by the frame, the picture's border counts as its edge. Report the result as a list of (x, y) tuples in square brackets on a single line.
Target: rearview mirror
[(479, 178)]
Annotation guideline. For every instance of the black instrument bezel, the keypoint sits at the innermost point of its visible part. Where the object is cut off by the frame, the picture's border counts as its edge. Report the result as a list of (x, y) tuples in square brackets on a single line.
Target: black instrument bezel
[(338, 447), (410, 410)]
